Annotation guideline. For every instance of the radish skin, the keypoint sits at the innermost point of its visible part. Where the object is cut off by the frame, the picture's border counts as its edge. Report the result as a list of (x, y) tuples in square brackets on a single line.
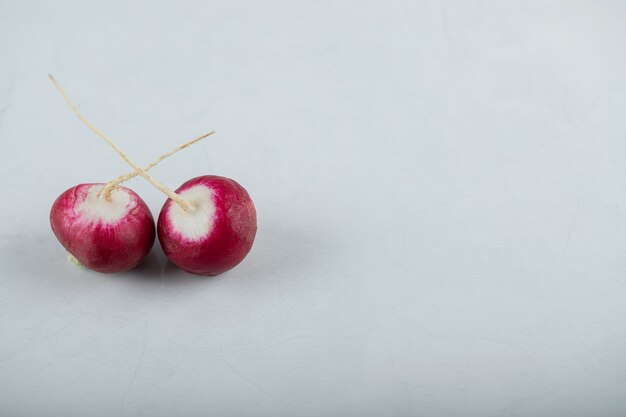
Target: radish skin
[(216, 234), (105, 235)]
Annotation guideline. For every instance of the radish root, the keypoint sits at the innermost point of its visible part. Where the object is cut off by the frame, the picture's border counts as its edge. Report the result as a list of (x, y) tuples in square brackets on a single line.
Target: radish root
[(106, 191), (186, 206), (73, 259)]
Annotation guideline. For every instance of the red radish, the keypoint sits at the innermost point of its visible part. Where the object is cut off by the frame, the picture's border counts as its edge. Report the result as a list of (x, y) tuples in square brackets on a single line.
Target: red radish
[(207, 227), (106, 227), (105, 234), (216, 233)]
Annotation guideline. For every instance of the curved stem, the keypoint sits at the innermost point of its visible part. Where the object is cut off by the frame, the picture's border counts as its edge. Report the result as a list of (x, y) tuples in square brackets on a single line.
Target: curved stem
[(175, 197), (106, 191)]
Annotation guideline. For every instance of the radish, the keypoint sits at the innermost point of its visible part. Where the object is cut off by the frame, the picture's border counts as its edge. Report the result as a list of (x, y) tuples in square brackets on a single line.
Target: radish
[(207, 226), (106, 227), (105, 234), (216, 233)]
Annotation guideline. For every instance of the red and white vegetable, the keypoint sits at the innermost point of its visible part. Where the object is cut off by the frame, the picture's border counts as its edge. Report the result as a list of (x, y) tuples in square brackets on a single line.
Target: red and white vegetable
[(105, 234), (206, 227), (216, 233)]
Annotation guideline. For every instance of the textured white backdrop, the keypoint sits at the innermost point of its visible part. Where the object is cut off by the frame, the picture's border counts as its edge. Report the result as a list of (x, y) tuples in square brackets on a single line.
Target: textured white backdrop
[(441, 191)]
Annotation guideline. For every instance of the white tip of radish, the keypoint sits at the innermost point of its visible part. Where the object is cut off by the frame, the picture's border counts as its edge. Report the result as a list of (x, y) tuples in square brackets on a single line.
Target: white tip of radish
[(197, 223), (98, 208), (73, 260)]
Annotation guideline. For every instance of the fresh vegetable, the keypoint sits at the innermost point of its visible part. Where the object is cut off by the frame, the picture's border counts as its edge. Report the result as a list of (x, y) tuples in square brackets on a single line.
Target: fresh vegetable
[(215, 233), (111, 234), (206, 227)]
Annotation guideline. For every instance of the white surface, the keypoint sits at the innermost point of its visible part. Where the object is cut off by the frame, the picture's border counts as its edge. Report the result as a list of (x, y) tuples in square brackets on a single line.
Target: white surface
[(95, 209), (440, 186), (194, 224)]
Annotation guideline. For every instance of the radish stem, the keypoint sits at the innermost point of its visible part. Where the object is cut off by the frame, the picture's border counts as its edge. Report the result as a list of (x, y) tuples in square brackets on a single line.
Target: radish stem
[(106, 191), (175, 197)]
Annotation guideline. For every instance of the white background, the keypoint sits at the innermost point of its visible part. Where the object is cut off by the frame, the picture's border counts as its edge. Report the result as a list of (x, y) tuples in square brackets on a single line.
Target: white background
[(441, 195)]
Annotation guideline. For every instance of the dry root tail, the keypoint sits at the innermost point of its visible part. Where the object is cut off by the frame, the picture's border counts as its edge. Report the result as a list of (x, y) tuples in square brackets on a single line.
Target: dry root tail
[(185, 205), (106, 191)]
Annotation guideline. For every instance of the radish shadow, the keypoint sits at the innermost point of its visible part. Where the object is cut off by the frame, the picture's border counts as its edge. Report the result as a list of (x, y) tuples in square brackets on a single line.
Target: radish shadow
[(151, 267)]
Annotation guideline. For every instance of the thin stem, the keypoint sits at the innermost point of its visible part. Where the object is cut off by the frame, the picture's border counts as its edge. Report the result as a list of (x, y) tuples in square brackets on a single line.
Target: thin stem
[(175, 197), (106, 191)]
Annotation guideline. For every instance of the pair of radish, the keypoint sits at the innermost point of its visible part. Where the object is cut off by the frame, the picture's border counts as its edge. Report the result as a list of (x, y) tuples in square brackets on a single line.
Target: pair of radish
[(206, 227)]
